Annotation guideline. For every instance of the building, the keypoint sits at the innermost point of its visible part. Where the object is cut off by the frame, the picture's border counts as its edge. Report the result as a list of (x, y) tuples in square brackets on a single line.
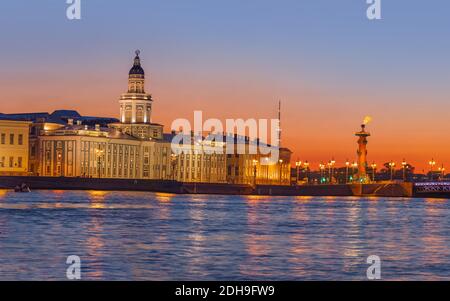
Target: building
[(14, 147), (258, 168), (194, 162), (136, 107), (132, 148)]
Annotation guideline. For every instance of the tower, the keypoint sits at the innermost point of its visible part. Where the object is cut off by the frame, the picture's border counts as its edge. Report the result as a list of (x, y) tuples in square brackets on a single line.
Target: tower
[(136, 106), (279, 123), (362, 155)]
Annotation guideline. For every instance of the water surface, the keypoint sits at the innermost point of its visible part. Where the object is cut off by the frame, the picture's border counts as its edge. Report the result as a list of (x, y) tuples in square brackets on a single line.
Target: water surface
[(148, 236)]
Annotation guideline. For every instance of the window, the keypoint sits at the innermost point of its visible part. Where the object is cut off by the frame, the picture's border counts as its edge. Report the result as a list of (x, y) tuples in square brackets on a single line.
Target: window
[(20, 139), (19, 162), (11, 162), (2, 162), (3, 138), (11, 139)]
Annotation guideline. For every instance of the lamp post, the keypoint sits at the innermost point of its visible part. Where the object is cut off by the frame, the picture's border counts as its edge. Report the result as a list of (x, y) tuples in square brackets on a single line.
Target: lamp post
[(99, 153), (354, 167), (307, 171), (173, 158), (442, 171), (332, 163), (404, 165), (347, 165), (281, 170), (391, 166), (322, 168), (432, 163), (298, 164), (374, 170), (255, 163)]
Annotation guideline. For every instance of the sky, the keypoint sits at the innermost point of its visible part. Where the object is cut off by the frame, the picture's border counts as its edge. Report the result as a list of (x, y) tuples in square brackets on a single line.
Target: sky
[(324, 59)]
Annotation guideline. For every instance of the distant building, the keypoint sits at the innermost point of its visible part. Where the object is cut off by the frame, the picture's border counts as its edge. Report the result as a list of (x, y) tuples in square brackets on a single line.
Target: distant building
[(14, 147)]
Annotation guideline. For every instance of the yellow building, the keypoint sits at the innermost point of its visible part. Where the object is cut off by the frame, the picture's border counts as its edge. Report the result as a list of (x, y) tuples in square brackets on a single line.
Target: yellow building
[(80, 151), (14, 147), (258, 169)]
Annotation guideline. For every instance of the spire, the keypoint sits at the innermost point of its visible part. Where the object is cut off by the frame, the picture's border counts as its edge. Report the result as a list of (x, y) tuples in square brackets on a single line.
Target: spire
[(279, 123)]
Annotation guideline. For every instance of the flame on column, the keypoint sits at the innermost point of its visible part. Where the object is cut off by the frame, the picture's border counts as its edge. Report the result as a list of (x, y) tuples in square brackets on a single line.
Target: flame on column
[(367, 120)]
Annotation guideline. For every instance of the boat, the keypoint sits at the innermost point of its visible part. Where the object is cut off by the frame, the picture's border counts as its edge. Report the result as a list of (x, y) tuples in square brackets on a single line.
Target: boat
[(22, 188)]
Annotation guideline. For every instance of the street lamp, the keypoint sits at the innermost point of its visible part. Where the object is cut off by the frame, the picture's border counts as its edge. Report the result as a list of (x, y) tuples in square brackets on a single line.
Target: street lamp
[(391, 166), (442, 170), (281, 170), (99, 153), (432, 163), (173, 158), (354, 167), (332, 163), (298, 164), (404, 165), (322, 168), (374, 170), (307, 171), (347, 165), (255, 163)]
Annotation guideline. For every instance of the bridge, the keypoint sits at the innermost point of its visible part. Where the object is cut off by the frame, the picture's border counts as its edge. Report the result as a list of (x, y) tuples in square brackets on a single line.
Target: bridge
[(432, 189)]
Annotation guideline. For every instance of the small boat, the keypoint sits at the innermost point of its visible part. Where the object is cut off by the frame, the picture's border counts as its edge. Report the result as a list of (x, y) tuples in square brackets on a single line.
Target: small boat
[(22, 188)]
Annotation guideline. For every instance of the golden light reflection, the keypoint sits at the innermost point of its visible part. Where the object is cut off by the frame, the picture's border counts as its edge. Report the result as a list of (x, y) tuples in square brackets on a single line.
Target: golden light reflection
[(97, 199), (164, 197), (304, 198), (94, 246), (58, 192), (254, 199), (98, 194), (3, 193)]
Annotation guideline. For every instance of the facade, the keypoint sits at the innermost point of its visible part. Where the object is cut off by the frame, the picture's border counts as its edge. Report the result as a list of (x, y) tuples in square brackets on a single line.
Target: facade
[(14, 147), (80, 151), (258, 169)]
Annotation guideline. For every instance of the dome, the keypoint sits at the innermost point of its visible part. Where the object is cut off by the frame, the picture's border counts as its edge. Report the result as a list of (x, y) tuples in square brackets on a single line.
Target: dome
[(137, 69)]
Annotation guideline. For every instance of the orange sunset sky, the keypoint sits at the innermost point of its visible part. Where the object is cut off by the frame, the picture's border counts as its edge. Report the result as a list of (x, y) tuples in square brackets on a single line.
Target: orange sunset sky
[(328, 65)]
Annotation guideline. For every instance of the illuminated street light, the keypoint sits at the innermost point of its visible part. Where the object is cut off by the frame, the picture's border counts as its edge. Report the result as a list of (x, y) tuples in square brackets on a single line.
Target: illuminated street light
[(442, 171), (298, 164), (354, 167), (374, 170), (347, 165), (99, 153), (391, 166), (432, 163), (173, 158), (322, 169), (404, 166), (255, 164), (306, 164), (281, 169)]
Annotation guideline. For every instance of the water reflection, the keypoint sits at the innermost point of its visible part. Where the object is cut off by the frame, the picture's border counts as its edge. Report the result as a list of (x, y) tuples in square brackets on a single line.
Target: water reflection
[(146, 236)]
